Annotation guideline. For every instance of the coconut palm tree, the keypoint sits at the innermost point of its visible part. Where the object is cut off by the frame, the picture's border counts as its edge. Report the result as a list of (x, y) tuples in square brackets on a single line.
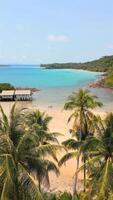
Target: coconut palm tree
[(81, 103), (38, 123), (100, 162), (84, 124), (42, 167), (15, 180), (22, 153), (74, 147)]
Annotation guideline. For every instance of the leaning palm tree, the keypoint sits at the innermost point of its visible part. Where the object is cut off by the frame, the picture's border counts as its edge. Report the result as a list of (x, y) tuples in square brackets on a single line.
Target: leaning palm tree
[(84, 124), (100, 162)]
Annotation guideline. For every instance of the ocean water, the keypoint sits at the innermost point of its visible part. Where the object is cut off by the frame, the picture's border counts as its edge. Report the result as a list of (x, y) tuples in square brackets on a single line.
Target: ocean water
[(55, 85), (35, 76)]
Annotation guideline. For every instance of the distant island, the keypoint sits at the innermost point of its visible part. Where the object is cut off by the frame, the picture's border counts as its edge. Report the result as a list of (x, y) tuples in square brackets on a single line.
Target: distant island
[(104, 64), (4, 65)]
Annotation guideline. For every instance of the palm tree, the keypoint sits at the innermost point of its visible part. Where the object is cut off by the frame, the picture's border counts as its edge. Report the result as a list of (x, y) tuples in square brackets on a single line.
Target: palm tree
[(38, 123), (21, 153), (15, 180), (84, 124), (42, 167), (100, 162), (74, 147), (81, 103)]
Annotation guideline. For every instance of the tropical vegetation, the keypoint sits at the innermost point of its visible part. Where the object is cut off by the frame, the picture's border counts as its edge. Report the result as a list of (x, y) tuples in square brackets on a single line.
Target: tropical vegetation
[(23, 154), (99, 153), (6, 86), (85, 123), (101, 65), (104, 64), (28, 152)]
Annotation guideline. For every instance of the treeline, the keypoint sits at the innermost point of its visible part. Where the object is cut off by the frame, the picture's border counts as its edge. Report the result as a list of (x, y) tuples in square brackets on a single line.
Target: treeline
[(101, 65), (104, 64)]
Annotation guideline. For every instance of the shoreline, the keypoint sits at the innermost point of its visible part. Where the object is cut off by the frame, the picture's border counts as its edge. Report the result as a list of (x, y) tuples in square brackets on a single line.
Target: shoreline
[(99, 84), (93, 84), (73, 69)]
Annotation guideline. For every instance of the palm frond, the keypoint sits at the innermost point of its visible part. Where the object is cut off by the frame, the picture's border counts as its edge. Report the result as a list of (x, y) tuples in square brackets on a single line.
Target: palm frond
[(72, 144), (28, 185), (4, 120), (48, 149), (67, 157), (4, 194)]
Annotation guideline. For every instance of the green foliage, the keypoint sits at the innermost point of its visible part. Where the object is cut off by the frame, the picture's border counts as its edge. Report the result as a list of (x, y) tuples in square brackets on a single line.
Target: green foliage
[(6, 86), (58, 196), (99, 151), (24, 152), (81, 103), (109, 80), (26, 142), (85, 123), (101, 65), (80, 196), (64, 196)]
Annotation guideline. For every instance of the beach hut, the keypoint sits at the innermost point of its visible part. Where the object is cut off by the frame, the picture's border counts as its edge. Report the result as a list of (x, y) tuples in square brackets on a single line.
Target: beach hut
[(23, 95), (7, 95)]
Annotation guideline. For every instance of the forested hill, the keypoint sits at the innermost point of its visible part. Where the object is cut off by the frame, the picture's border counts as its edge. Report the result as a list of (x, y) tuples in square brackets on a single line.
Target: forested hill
[(103, 64)]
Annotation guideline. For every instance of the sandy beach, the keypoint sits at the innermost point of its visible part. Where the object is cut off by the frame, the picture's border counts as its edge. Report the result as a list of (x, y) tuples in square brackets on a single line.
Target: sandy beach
[(57, 124)]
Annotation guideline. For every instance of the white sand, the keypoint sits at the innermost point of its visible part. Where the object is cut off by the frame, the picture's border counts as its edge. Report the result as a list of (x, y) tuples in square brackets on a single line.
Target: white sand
[(58, 124)]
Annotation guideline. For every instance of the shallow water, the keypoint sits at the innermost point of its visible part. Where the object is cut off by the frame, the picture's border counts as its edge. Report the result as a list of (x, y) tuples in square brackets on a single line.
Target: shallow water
[(55, 85)]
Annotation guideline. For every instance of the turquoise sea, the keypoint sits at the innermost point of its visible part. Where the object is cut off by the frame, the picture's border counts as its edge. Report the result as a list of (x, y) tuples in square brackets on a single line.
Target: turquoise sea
[(55, 85)]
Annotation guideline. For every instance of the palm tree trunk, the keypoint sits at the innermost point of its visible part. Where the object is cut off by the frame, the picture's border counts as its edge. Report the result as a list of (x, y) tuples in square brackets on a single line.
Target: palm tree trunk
[(16, 188), (76, 178), (84, 174), (39, 186), (16, 196)]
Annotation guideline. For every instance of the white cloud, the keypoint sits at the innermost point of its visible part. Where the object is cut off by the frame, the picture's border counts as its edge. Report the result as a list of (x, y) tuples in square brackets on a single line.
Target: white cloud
[(58, 38)]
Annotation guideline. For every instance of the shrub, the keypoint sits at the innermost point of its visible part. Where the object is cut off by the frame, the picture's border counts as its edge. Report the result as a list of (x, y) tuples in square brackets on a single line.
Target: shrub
[(58, 196), (6, 86)]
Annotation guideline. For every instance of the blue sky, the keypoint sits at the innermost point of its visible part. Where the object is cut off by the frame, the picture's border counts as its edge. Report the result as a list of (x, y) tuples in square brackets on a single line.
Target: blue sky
[(46, 31)]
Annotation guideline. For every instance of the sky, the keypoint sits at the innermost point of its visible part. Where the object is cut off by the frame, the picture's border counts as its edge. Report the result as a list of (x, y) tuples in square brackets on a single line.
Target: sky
[(47, 31)]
